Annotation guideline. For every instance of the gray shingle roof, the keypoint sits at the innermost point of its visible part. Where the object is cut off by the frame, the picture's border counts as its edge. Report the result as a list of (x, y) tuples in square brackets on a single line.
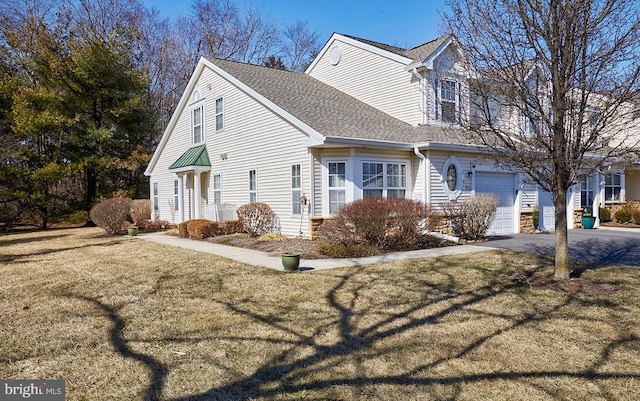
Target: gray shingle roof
[(421, 52), (329, 111), (417, 53)]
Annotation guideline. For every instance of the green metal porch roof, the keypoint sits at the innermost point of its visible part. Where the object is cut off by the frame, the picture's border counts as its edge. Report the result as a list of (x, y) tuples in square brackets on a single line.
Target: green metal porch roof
[(196, 156)]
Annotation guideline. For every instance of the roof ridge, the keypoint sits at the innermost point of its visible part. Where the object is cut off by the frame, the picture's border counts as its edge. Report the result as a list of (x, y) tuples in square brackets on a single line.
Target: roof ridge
[(211, 58), (430, 41), (384, 46)]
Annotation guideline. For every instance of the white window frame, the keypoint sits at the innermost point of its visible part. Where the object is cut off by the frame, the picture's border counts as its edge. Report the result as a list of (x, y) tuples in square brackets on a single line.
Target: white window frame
[(588, 191), (457, 189), (439, 99), (331, 209), (253, 185), (156, 197), (219, 114), (610, 186), (176, 195), (381, 177), (296, 189), (197, 106), (217, 188)]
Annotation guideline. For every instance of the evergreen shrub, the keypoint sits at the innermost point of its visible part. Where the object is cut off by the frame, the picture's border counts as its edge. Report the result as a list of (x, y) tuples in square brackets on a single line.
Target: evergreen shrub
[(605, 214), (623, 216)]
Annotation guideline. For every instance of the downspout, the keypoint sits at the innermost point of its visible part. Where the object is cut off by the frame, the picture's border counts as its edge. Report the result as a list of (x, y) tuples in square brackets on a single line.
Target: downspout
[(425, 170), (312, 194), (426, 192)]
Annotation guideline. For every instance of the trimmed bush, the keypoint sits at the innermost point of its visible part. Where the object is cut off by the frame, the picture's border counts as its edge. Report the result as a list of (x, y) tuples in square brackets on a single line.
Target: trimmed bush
[(257, 218), (605, 214), (198, 229), (140, 212), (202, 228), (471, 218), (111, 214), (375, 225), (183, 231), (158, 225), (232, 227), (635, 215), (623, 216)]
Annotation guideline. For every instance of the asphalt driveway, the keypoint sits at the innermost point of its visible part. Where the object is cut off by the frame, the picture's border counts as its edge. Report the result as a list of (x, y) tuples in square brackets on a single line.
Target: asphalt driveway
[(604, 245)]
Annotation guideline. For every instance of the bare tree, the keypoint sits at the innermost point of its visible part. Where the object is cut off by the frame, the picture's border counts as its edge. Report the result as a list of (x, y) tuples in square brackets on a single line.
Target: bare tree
[(553, 88), (300, 45), (222, 30)]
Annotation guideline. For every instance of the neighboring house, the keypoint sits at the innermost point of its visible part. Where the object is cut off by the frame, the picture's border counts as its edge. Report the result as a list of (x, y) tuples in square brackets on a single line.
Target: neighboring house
[(365, 120)]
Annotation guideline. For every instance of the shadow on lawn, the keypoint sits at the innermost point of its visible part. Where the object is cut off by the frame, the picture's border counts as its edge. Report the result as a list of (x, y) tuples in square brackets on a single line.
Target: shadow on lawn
[(287, 374), (158, 372), (24, 258), (27, 240)]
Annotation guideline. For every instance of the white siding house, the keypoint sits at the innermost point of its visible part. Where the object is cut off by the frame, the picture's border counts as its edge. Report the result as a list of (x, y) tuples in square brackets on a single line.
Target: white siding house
[(365, 119)]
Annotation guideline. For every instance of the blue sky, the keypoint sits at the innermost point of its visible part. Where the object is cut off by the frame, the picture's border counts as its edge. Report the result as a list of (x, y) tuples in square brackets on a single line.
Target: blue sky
[(404, 23)]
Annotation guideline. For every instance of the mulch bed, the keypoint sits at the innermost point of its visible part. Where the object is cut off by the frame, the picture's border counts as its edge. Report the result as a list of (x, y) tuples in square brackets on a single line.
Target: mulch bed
[(574, 286)]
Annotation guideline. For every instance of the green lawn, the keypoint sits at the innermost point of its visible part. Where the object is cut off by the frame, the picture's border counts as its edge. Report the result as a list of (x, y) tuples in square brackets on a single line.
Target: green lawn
[(120, 318)]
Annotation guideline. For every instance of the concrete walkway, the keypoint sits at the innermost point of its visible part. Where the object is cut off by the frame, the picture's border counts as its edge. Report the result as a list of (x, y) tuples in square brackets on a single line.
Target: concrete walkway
[(257, 258)]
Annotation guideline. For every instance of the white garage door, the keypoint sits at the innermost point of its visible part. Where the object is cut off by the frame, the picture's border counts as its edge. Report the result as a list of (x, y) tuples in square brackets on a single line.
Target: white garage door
[(547, 213), (503, 186)]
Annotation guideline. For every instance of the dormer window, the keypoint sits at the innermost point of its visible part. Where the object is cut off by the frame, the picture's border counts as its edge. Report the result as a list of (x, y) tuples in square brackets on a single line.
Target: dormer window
[(447, 101)]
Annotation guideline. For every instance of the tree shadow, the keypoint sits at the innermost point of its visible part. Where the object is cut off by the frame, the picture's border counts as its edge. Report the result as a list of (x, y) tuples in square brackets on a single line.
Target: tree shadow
[(24, 257), (298, 366), (27, 240), (280, 375), (596, 252), (157, 370)]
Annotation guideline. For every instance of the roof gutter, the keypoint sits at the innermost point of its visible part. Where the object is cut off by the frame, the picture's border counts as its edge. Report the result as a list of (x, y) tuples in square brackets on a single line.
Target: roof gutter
[(464, 148), (342, 141)]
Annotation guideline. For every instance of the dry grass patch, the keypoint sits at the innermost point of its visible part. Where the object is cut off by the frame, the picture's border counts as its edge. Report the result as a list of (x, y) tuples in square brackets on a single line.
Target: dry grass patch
[(121, 319)]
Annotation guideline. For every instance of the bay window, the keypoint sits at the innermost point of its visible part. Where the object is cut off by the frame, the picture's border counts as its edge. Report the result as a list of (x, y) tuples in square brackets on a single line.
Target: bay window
[(384, 180)]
